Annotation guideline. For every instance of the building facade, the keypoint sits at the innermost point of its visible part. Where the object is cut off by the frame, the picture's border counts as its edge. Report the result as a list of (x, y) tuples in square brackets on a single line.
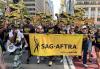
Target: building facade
[(49, 8), (38, 6), (92, 9), (31, 6), (67, 6)]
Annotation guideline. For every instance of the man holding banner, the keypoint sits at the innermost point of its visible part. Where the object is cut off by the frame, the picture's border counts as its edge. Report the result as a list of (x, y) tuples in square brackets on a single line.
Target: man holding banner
[(85, 45), (39, 29)]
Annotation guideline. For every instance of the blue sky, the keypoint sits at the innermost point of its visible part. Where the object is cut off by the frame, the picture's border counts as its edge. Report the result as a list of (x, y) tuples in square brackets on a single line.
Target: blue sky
[(56, 4)]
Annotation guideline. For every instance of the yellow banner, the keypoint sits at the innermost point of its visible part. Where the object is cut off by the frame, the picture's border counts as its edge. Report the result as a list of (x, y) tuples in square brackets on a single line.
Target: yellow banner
[(55, 44)]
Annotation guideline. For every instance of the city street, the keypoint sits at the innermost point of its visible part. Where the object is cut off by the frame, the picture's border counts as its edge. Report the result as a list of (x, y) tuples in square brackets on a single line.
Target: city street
[(66, 64), (65, 33), (33, 64)]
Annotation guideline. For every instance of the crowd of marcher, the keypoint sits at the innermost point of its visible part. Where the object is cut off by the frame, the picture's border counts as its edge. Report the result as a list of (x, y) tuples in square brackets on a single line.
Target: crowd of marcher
[(16, 35)]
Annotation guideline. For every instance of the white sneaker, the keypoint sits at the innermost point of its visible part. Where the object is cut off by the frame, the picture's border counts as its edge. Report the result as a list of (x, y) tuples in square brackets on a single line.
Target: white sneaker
[(85, 65), (38, 61), (61, 61), (50, 63)]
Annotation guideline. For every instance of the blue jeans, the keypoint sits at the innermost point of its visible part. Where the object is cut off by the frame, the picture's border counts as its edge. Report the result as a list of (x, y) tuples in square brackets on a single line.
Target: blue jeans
[(90, 45), (85, 49)]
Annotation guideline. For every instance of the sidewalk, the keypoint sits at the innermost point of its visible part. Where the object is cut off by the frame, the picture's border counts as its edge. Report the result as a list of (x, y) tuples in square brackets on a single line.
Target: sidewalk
[(92, 65)]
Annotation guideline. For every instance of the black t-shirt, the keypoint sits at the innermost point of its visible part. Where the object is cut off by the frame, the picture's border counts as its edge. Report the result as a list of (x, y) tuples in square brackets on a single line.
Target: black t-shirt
[(97, 39)]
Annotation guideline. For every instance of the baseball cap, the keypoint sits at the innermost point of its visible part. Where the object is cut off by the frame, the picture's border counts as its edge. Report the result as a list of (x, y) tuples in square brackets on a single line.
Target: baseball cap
[(84, 27)]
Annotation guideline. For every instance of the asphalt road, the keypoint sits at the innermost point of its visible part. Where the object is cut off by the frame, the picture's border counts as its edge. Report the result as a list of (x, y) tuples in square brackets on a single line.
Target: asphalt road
[(66, 64), (33, 62)]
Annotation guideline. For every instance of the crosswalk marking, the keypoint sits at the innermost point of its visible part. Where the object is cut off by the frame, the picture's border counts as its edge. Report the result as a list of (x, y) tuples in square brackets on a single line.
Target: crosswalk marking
[(70, 62), (66, 66), (67, 61)]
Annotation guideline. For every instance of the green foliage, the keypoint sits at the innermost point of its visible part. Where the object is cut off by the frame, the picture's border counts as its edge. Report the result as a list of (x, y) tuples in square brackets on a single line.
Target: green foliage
[(2, 6), (78, 15), (25, 12)]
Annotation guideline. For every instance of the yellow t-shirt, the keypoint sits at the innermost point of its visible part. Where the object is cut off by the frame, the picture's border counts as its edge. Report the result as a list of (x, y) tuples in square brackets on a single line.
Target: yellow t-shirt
[(26, 30)]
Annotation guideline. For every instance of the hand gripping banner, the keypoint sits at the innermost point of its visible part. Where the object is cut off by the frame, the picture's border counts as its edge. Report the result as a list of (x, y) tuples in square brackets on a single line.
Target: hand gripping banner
[(55, 44)]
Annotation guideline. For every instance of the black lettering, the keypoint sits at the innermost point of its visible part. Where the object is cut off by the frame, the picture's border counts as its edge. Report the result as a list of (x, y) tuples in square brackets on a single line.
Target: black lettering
[(61, 45), (47, 46), (57, 46), (43, 46), (74, 46), (66, 46), (69, 46), (51, 46)]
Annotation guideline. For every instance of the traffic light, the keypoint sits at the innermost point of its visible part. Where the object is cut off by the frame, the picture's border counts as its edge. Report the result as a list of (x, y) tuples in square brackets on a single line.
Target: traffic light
[(15, 1)]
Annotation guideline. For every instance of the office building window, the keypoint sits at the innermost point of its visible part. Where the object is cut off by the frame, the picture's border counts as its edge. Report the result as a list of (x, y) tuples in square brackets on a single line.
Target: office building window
[(92, 13), (28, 0), (31, 9), (32, 13), (86, 13), (30, 4), (86, 9), (86, 3), (93, 2), (98, 19), (93, 8), (79, 3), (99, 11), (99, 8)]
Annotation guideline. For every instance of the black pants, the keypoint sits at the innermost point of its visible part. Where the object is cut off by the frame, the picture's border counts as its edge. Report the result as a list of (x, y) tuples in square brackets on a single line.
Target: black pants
[(2, 45), (50, 58), (28, 48)]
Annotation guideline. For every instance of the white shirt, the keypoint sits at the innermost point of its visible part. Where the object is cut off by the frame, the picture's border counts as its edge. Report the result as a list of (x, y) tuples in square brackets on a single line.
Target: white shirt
[(19, 35)]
